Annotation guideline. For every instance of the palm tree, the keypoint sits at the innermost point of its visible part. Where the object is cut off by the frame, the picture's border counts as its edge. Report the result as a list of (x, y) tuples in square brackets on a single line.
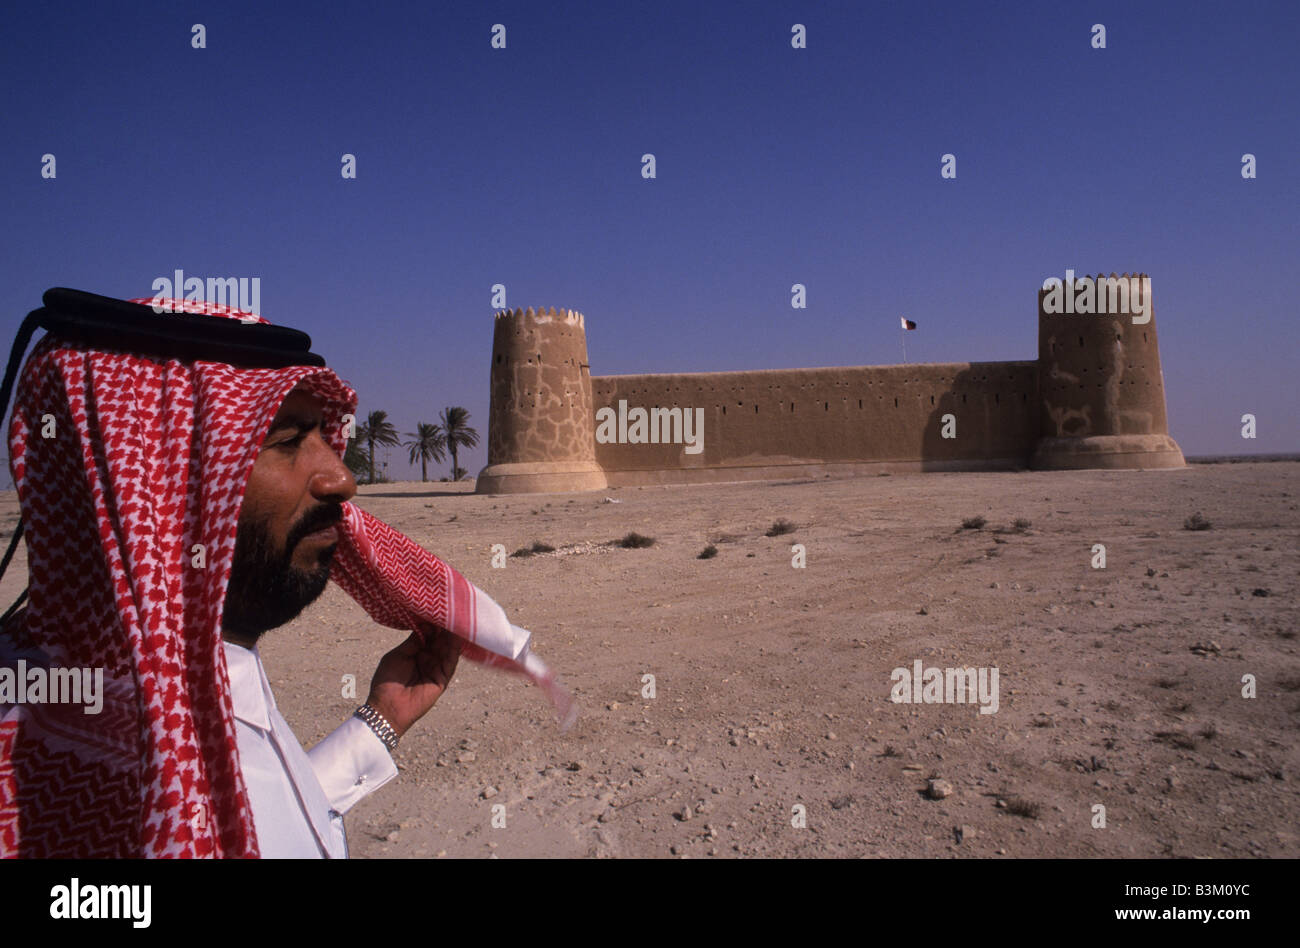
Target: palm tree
[(377, 430), (459, 434), (427, 441)]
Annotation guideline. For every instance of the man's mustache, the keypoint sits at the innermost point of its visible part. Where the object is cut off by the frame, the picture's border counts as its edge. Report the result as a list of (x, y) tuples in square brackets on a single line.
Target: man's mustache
[(318, 518)]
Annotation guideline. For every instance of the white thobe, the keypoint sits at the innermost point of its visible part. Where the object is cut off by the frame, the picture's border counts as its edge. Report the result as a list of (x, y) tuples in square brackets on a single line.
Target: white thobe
[(299, 798)]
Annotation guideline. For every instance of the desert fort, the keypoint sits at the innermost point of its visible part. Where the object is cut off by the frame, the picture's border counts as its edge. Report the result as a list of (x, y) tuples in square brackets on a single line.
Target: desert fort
[(1094, 398)]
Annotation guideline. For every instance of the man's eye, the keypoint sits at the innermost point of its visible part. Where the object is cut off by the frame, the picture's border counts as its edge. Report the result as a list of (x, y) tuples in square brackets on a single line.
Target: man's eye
[(294, 442)]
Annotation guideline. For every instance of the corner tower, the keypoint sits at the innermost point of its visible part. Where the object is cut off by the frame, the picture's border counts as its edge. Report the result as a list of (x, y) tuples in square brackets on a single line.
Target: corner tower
[(541, 430), (1101, 390)]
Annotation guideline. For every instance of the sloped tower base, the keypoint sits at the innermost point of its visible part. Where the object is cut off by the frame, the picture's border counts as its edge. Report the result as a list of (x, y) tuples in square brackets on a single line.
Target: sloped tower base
[(1107, 452), (541, 477)]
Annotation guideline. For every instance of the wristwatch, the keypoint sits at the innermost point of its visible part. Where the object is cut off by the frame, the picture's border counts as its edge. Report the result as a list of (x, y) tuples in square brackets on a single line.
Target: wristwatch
[(379, 724)]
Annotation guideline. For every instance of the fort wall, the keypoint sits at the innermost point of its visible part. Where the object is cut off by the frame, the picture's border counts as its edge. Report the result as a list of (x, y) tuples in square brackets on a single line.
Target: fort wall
[(779, 422)]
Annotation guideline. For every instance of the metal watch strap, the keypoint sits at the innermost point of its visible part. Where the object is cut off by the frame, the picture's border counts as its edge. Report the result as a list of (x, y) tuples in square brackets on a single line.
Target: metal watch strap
[(379, 724)]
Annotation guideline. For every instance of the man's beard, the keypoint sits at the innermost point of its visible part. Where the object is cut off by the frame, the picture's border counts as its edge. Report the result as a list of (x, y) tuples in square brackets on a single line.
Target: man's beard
[(265, 589)]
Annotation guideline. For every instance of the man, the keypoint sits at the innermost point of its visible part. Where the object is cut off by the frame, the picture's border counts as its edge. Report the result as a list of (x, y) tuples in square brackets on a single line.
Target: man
[(175, 509), (288, 532)]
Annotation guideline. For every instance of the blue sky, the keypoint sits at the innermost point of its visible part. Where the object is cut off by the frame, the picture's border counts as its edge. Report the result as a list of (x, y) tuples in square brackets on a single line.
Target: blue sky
[(775, 166)]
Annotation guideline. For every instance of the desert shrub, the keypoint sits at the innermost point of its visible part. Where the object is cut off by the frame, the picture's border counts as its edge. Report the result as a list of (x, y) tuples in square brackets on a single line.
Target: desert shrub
[(1022, 807)]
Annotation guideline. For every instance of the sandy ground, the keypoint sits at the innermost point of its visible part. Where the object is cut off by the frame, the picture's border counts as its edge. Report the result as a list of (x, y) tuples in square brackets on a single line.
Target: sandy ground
[(1120, 687)]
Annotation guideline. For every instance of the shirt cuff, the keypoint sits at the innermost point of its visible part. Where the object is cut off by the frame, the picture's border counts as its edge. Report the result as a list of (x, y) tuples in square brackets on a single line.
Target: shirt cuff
[(351, 763)]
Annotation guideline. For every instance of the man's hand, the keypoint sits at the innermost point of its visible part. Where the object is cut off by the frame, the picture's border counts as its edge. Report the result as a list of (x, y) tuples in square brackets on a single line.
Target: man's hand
[(413, 676)]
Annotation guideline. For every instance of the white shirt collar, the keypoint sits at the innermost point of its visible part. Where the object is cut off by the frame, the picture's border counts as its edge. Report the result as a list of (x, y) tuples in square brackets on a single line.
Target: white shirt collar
[(250, 692)]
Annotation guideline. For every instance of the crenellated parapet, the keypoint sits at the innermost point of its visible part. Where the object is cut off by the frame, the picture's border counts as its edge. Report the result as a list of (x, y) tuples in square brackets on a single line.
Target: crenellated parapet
[(543, 315)]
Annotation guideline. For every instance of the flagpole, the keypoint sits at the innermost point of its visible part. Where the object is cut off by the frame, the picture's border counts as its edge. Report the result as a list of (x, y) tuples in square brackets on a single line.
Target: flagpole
[(903, 335)]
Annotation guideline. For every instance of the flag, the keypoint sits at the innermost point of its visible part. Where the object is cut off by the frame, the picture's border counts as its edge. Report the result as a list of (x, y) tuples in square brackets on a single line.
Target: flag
[(907, 323)]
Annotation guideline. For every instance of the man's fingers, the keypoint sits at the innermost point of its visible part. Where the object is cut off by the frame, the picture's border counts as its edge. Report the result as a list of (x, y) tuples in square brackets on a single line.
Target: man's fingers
[(454, 656), (437, 658), (449, 653)]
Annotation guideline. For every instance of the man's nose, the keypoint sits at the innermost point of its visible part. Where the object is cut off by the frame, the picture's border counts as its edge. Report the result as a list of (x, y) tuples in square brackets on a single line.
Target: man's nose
[(331, 481)]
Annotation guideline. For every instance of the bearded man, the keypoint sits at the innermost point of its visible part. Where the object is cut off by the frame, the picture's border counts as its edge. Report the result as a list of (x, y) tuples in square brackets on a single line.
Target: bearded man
[(182, 492)]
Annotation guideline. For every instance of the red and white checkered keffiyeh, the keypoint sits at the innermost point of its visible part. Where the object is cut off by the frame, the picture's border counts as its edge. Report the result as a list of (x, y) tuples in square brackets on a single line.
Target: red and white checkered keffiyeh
[(148, 460)]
